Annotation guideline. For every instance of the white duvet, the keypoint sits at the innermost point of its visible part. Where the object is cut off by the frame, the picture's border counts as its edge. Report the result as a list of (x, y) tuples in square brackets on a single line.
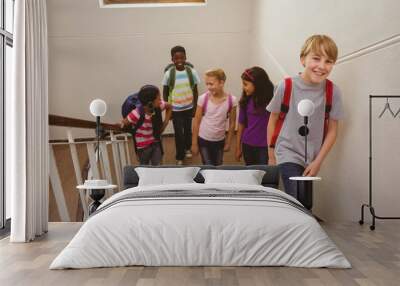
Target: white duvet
[(200, 231)]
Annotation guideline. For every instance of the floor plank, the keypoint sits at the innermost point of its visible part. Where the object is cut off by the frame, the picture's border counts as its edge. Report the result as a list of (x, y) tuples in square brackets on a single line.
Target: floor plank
[(375, 256)]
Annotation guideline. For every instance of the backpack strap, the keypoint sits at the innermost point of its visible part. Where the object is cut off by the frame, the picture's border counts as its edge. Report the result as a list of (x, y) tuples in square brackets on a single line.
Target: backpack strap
[(156, 121), (190, 76), (205, 103), (171, 82), (283, 112), (230, 105), (168, 67), (328, 105)]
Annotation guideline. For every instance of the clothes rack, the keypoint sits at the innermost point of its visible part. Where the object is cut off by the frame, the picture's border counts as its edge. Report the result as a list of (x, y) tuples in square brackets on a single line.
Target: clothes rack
[(370, 205)]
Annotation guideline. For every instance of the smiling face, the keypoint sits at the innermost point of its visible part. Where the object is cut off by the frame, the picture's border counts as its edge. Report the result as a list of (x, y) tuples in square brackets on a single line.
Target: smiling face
[(248, 87), (214, 85), (317, 67), (179, 59)]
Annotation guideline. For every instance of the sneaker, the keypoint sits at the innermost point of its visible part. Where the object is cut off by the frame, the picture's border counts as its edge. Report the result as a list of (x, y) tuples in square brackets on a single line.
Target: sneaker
[(188, 154), (179, 162)]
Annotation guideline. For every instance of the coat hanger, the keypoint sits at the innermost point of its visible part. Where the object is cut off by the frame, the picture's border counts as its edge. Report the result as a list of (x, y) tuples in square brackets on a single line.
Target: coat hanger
[(387, 107)]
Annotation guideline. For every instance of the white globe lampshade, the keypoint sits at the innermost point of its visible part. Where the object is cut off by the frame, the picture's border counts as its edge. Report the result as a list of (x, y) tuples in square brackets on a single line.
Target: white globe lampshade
[(305, 107), (98, 107)]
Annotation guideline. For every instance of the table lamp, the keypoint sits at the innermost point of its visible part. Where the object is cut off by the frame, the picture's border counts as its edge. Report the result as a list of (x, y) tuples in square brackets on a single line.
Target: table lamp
[(98, 109)]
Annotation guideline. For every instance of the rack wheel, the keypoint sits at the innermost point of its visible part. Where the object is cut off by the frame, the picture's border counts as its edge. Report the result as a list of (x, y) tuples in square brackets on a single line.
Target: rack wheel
[(361, 222), (372, 227)]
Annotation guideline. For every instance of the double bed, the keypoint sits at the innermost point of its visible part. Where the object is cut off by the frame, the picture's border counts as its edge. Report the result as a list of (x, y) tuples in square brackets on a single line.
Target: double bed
[(218, 219)]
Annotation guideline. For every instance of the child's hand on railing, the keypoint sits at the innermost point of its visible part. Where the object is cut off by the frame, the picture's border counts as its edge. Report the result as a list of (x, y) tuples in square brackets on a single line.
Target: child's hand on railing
[(124, 123)]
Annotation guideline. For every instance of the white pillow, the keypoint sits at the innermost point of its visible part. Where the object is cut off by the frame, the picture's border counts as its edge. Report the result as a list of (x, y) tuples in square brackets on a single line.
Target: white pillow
[(166, 176), (248, 177)]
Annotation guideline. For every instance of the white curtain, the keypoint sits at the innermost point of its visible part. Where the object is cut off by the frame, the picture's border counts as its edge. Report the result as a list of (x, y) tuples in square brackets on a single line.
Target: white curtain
[(27, 123)]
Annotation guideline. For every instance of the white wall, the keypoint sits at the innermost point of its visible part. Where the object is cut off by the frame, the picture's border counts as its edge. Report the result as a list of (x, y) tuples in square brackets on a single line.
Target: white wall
[(368, 36), (109, 53)]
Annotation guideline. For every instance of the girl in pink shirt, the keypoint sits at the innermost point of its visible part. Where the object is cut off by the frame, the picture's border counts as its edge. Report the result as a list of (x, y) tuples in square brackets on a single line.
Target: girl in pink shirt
[(214, 109)]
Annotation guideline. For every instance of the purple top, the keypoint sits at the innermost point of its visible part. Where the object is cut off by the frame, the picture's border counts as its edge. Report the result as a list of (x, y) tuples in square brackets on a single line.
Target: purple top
[(255, 134)]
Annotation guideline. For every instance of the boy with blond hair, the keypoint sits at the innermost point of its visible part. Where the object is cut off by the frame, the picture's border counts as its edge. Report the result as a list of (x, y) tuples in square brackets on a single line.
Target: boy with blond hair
[(286, 146)]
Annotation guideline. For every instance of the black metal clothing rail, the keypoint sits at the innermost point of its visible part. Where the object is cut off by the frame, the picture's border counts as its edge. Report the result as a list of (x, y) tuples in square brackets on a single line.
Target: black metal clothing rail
[(369, 205)]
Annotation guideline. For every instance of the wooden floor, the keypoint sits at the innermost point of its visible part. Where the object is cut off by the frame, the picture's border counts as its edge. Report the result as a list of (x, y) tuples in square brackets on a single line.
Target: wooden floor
[(375, 257)]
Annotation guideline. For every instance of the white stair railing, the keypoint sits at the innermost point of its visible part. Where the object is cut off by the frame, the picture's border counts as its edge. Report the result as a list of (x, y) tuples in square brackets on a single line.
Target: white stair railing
[(117, 160), (99, 168), (78, 172), (57, 188)]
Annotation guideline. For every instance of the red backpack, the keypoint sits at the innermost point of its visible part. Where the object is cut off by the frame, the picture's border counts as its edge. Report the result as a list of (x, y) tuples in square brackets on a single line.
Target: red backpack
[(285, 108)]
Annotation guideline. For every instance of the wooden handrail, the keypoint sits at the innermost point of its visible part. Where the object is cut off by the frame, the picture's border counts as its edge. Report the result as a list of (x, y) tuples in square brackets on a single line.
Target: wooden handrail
[(56, 120), (85, 140)]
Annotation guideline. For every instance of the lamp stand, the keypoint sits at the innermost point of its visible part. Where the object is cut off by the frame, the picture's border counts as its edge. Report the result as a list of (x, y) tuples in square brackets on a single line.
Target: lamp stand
[(303, 131), (305, 138), (305, 197), (98, 136), (96, 194)]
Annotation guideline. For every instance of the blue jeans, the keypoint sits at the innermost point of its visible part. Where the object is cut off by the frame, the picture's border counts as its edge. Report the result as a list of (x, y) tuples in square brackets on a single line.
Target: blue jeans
[(151, 154), (295, 188), (212, 152), (254, 155)]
